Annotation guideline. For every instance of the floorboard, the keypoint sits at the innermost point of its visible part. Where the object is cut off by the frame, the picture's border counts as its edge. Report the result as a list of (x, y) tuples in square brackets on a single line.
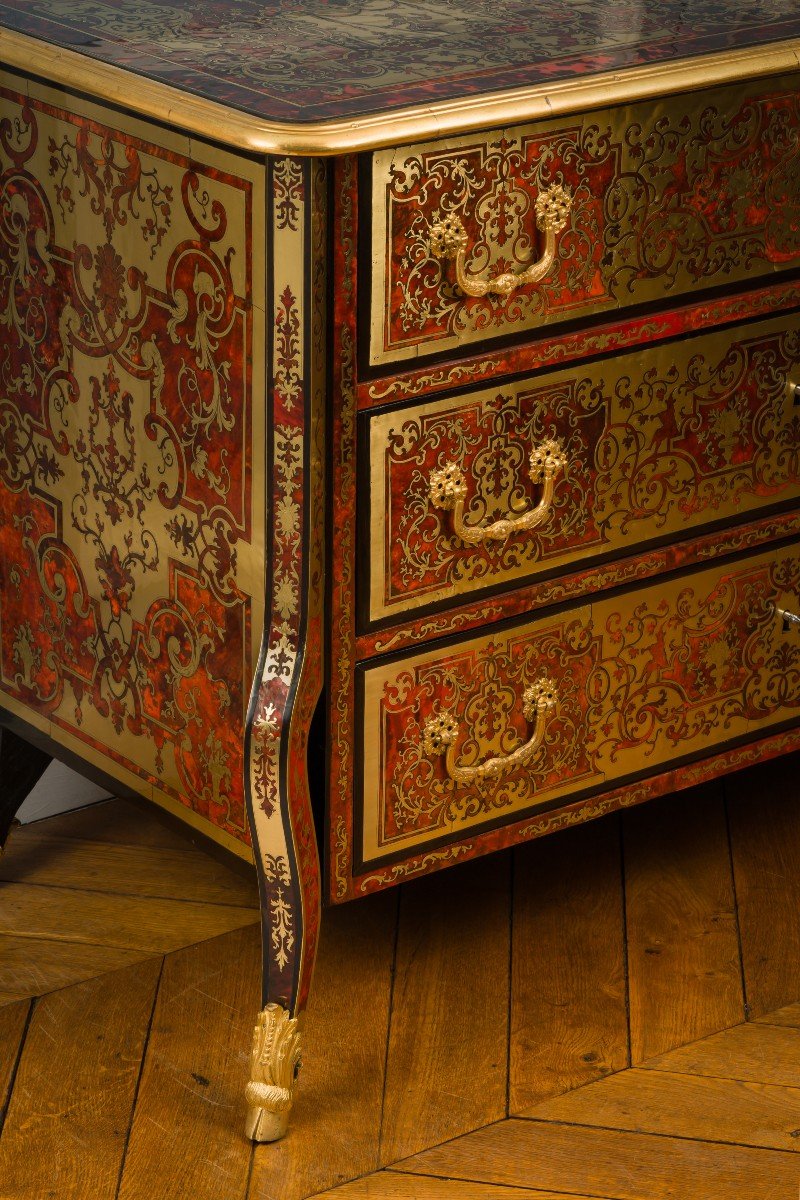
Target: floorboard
[(35, 966), (187, 1142), (113, 822), (755, 1052), (153, 871), (127, 922), (447, 1057), (74, 1090), (13, 1022), (763, 805), (569, 1024), (391, 1185), (789, 1015), (610, 1163), (689, 1106), (684, 972)]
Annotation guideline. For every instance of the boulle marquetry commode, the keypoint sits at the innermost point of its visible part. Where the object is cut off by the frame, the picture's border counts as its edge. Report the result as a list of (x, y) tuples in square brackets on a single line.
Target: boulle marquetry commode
[(419, 379)]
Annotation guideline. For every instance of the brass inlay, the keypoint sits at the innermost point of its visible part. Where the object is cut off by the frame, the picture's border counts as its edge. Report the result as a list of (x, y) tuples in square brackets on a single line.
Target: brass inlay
[(97, 239), (638, 229), (664, 671), (274, 1065), (449, 491), (448, 240), (211, 119), (655, 442), (441, 734)]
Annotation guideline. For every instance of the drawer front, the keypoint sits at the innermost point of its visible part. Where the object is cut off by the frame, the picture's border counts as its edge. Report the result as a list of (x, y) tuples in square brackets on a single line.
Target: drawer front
[(483, 731), (615, 208), (651, 443)]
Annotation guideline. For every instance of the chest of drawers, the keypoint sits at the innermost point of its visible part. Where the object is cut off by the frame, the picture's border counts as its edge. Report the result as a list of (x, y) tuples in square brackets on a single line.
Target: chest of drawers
[(420, 415)]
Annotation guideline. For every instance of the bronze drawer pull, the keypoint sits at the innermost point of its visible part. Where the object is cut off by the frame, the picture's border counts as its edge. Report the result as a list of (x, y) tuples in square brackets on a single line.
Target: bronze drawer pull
[(441, 733), (448, 240), (448, 490)]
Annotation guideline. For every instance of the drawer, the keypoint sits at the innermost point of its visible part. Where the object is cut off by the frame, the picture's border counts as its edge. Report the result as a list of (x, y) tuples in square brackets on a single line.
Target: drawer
[(510, 482), (474, 734), (581, 215)]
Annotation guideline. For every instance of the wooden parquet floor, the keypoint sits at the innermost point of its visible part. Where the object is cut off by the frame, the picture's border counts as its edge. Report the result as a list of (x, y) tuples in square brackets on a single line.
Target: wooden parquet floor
[(607, 1014)]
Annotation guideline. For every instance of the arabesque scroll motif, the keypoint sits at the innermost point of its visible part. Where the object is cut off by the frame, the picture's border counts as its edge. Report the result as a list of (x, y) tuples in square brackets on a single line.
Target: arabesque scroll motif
[(659, 440), (125, 423), (666, 197), (642, 680)]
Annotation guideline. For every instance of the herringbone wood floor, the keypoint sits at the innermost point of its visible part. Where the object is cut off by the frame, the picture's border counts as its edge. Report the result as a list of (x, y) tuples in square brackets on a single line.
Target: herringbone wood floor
[(608, 1013)]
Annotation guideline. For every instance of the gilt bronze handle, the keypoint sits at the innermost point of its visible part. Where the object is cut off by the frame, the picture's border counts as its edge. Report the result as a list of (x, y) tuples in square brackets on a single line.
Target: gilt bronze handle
[(441, 733), (448, 240), (448, 490)]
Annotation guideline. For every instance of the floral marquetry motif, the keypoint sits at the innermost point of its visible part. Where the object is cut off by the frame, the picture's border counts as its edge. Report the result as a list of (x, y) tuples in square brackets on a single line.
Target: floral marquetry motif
[(129, 550), (633, 683), (665, 197)]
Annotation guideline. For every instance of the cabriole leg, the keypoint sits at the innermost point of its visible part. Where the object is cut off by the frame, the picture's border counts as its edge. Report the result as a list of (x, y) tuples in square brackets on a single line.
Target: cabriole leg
[(289, 680), (286, 851), (21, 766)]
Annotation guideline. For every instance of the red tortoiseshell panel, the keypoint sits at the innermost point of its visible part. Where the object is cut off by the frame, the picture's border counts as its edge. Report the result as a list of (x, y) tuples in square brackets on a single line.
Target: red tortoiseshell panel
[(657, 441), (635, 681), (691, 192), (626, 796), (130, 550)]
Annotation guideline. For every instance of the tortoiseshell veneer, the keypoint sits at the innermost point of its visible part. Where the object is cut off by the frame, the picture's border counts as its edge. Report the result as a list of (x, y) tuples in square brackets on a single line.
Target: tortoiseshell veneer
[(423, 380)]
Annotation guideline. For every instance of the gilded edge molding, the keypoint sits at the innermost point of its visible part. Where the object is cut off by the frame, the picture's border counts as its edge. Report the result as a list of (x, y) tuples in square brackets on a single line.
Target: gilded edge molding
[(210, 119)]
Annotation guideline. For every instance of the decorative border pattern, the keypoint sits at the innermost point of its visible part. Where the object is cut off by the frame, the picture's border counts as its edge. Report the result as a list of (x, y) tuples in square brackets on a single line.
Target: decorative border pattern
[(289, 677), (343, 549), (599, 339), (317, 61), (563, 588)]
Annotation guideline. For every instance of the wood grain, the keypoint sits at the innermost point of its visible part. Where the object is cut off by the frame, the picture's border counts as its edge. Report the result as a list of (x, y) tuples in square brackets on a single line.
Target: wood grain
[(391, 1185), (610, 1163), (122, 822), (7, 998), (131, 922), (73, 1096), (765, 841), (789, 1015), (187, 1138), (447, 1056), (335, 1129), (35, 966), (691, 1106), (36, 857), (569, 1023), (755, 1052), (13, 1019), (684, 973)]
